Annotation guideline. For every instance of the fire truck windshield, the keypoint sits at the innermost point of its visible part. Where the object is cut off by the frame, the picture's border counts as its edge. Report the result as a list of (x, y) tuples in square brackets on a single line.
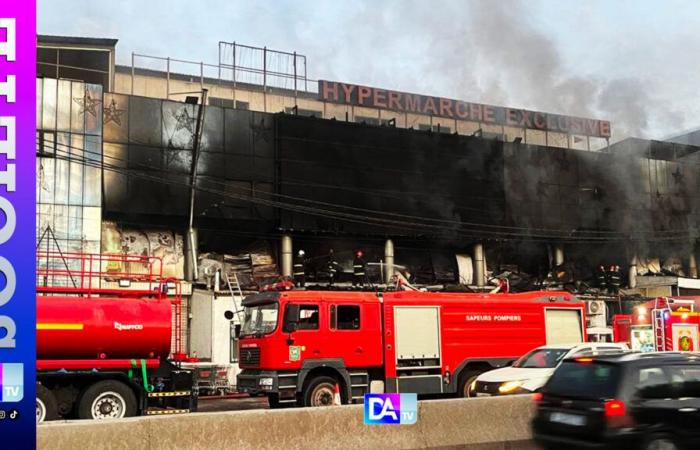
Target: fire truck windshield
[(260, 319)]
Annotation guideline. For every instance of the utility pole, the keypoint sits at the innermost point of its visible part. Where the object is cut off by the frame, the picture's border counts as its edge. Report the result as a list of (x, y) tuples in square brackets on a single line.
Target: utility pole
[(191, 234)]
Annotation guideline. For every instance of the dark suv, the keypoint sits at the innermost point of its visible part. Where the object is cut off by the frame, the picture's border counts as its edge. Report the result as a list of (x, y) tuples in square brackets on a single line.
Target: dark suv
[(633, 400)]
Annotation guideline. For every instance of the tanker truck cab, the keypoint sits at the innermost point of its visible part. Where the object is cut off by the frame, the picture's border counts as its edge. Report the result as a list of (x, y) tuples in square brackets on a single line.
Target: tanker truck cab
[(296, 347)]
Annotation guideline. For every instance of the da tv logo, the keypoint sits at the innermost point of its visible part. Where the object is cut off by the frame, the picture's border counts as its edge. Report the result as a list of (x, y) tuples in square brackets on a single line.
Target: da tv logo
[(11, 382), (391, 409)]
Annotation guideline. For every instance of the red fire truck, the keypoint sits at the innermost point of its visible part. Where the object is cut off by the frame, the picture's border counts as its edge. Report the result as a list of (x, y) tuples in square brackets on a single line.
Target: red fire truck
[(296, 346), (104, 328), (661, 324)]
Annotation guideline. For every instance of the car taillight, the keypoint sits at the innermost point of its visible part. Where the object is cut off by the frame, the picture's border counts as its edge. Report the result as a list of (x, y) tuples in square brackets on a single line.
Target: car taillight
[(537, 397), (614, 408), (616, 414), (205, 373)]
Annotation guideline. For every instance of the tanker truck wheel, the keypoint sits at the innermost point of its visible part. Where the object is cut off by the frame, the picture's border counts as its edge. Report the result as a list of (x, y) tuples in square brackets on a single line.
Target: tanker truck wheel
[(108, 399), (46, 404)]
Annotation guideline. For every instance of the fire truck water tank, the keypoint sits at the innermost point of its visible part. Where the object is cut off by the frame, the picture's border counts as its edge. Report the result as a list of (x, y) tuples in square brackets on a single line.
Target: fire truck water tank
[(102, 328)]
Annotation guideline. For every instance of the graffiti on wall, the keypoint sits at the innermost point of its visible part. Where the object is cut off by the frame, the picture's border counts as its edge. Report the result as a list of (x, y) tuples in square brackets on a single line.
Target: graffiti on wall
[(163, 244)]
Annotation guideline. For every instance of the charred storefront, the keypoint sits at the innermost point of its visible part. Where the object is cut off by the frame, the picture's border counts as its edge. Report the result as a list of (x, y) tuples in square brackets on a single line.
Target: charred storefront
[(269, 185), (363, 181)]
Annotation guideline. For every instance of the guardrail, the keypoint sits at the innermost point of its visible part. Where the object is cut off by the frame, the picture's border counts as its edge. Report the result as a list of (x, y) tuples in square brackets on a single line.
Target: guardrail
[(481, 423)]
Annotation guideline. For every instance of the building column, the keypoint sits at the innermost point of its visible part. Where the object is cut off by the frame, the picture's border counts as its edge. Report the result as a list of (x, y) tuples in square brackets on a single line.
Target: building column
[(389, 260), (633, 271), (558, 255), (692, 265), (286, 262), (191, 272), (479, 265)]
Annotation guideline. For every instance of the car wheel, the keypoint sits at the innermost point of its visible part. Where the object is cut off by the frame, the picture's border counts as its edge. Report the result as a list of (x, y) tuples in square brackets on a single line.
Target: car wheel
[(660, 442)]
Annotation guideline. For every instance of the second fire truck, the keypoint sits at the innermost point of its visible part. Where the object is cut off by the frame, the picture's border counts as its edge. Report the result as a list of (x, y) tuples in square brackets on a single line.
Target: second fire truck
[(298, 347)]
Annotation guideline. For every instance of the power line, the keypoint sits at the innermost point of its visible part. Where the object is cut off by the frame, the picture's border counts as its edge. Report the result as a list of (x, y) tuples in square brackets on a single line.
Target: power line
[(379, 221)]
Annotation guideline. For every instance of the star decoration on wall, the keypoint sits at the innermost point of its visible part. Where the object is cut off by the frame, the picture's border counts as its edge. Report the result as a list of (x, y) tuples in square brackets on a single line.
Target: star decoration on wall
[(260, 131), (677, 175), (87, 103), (113, 114), (184, 121)]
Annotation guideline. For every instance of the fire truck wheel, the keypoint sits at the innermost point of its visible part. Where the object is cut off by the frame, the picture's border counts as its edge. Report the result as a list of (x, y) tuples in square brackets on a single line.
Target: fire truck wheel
[(108, 399), (320, 391), (273, 400), (465, 381), (46, 404)]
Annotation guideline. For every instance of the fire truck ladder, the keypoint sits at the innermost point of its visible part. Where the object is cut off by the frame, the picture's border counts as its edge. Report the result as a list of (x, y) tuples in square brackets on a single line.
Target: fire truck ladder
[(657, 317), (234, 287)]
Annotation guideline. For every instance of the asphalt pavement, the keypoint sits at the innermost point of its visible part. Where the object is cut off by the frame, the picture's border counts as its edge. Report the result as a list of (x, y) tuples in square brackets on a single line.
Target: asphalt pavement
[(231, 404)]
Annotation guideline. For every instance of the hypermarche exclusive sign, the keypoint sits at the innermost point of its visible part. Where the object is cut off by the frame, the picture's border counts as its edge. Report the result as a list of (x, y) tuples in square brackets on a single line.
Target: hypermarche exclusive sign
[(371, 97)]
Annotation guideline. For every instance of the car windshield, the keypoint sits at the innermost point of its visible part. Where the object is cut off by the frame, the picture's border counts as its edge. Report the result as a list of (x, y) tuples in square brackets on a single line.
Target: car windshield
[(541, 358), (260, 319), (592, 380)]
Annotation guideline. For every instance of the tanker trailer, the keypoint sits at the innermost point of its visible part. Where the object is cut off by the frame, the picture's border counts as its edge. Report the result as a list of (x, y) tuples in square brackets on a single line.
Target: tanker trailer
[(104, 329)]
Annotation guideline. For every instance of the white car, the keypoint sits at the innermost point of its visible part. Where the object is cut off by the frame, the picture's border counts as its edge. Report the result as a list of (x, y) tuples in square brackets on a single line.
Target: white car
[(531, 372)]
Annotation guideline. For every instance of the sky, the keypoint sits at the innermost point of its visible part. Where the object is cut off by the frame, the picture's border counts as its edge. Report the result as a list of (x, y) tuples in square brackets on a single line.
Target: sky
[(633, 62)]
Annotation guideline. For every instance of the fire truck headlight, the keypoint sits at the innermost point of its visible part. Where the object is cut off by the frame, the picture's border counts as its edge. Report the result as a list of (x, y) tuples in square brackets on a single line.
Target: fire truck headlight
[(509, 386), (265, 382)]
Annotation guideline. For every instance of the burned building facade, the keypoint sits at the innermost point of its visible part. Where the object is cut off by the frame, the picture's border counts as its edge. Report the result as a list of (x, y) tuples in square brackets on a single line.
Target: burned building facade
[(275, 182)]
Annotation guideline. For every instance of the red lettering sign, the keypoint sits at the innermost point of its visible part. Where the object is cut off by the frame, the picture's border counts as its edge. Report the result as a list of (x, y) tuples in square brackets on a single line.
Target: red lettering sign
[(347, 89), (446, 107), (330, 91), (412, 102), (475, 112), (394, 100), (489, 114), (461, 110), (512, 117), (380, 98), (429, 106), (540, 121)]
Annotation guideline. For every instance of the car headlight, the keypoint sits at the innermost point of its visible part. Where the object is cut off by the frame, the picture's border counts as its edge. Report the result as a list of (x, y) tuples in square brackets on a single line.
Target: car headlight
[(265, 382), (509, 386)]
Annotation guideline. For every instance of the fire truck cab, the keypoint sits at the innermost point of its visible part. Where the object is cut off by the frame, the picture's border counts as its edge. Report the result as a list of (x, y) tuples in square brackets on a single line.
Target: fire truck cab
[(297, 346)]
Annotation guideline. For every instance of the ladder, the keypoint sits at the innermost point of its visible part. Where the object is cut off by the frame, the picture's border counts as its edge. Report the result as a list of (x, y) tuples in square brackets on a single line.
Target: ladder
[(234, 288), (657, 317)]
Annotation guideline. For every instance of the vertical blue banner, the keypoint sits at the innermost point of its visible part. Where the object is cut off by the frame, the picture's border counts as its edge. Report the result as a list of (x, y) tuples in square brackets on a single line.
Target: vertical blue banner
[(17, 223)]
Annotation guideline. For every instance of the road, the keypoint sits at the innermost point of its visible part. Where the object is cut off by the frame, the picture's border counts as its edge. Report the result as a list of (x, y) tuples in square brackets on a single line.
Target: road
[(231, 404)]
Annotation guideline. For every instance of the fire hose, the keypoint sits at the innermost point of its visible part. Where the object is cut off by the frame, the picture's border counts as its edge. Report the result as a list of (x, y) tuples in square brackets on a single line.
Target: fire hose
[(146, 386)]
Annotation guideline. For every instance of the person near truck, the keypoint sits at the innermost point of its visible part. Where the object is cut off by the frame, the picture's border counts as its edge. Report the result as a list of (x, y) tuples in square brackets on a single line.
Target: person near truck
[(299, 269), (359, 269)]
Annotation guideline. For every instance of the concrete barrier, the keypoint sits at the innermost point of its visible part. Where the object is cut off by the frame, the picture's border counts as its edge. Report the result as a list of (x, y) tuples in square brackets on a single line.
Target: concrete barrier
[(481, 423)]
